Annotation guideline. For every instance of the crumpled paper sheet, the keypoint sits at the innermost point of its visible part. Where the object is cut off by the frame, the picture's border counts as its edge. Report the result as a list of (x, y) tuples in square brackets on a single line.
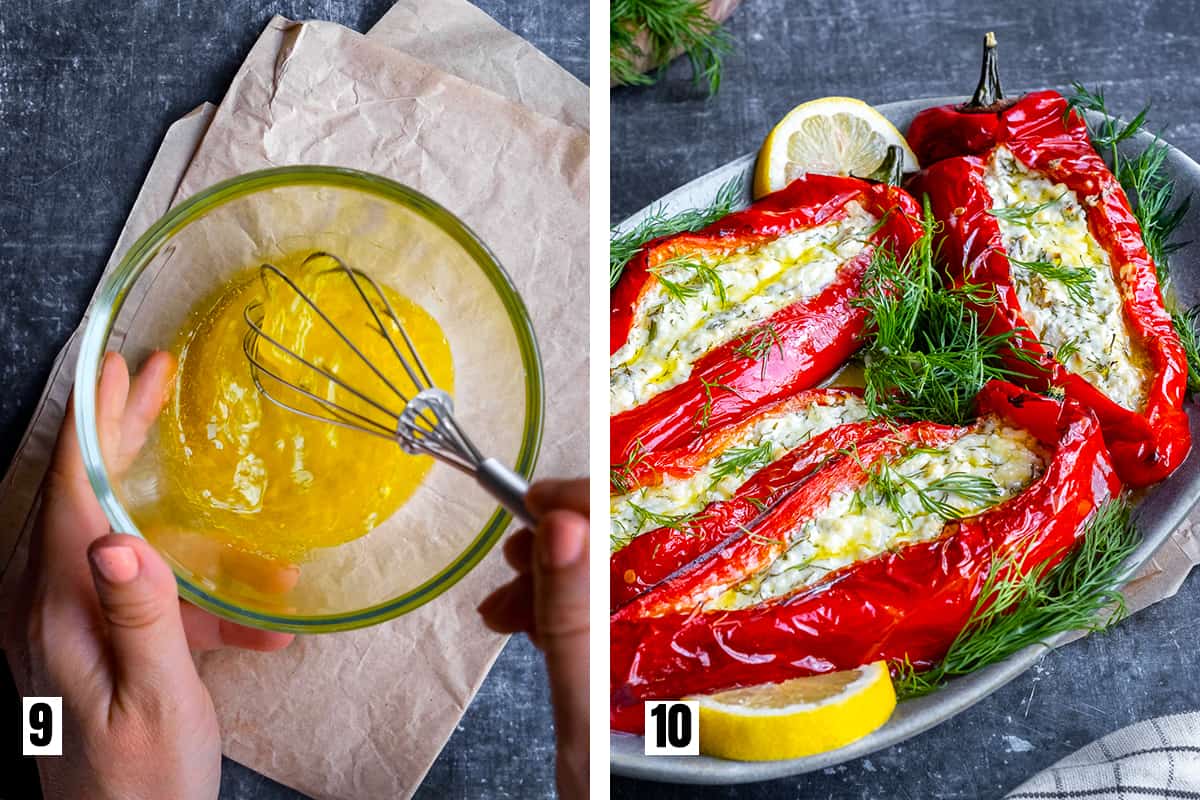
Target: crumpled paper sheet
[(466, 42), (376, 706)]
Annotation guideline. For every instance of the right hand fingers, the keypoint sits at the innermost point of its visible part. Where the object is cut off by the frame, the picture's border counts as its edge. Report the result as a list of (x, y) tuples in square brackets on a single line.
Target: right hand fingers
[(550, 494)]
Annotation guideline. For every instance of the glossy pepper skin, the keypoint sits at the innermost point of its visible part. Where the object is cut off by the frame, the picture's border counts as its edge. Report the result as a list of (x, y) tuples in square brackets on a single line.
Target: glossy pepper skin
[(814, 336), (655, 554), (908, 604), (1146, 446)]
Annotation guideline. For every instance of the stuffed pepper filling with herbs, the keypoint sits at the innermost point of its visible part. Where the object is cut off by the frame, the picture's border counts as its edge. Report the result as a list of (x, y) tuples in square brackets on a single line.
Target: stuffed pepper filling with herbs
[(1033, 218), (702, 300), (679, 497), (905, 499), (881, 552), (706, 328), (1064, 280)]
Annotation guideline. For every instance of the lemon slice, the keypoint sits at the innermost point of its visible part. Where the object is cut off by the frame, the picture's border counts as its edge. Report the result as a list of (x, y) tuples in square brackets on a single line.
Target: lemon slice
[(830, 136), (796, 718)]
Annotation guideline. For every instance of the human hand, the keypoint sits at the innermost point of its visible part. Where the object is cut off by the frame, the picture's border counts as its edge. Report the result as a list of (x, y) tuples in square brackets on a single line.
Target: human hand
[(548, 601), (103, 627)]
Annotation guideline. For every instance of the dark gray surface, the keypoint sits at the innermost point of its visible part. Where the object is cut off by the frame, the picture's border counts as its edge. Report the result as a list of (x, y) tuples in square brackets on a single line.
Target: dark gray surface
[(87, 88), (790, 51)]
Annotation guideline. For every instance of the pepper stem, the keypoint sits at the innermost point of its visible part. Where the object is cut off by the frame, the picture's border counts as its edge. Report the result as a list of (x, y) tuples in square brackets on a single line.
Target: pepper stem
[(988, 93)]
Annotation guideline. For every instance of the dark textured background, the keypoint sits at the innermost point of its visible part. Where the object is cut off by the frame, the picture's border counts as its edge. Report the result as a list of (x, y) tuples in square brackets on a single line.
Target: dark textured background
[(788, 51), (87, 89)]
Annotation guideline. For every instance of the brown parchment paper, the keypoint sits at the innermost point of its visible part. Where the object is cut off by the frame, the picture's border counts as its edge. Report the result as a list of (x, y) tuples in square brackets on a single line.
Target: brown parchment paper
[(376, 706), (466, 42)]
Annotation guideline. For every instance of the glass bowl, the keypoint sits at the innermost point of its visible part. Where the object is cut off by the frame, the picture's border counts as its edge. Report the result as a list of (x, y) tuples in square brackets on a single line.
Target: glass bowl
[(400, 237)]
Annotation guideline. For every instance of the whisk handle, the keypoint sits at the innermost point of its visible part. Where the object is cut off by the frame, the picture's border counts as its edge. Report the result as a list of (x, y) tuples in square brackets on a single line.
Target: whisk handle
[(506, 486)]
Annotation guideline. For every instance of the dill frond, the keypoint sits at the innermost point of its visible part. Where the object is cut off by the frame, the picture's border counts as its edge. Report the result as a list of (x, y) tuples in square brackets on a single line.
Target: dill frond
[(1080, 593), (671, 26), (1076, 280), (1189, 337), (622, 247), (926, 355), (740, 460)]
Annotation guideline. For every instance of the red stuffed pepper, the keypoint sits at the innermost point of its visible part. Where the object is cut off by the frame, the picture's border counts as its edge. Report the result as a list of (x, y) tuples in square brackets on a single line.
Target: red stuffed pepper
[(881, 554), (1029, 209), (707, 327), (676, 505)]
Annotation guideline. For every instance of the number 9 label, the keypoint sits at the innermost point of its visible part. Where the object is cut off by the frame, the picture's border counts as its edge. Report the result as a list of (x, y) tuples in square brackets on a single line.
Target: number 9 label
[(41, 726)]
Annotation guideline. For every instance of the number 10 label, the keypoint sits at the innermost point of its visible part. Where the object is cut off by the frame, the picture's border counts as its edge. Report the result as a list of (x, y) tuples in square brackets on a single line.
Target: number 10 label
[(41, 726), (673, 728)]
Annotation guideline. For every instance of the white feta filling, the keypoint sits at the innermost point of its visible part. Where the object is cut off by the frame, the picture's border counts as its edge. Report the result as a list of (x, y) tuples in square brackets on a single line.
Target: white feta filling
[(908, 501), (683, 316), (760, 444), (1042, 222)]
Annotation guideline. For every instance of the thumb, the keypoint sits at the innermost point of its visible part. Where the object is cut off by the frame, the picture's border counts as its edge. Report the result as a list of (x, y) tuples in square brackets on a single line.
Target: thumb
[(560, 583), (140, 607)]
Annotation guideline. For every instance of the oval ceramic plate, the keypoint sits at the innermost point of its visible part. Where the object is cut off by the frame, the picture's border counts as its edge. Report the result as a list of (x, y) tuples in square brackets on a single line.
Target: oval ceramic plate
[(1158, 515)]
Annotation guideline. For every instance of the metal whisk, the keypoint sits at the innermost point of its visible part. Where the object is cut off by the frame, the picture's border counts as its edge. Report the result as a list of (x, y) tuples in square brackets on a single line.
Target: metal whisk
[(424, 423)]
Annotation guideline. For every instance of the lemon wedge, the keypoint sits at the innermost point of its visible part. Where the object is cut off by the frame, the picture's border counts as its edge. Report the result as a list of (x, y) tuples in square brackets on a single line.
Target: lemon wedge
[(830, 136), (796, 718)]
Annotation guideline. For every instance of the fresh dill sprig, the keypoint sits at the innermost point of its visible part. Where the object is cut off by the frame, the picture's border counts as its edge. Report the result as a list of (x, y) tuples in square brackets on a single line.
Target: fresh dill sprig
[(1065, 350), (761, 505), (1076, 280), (1189, 337), (1144, 176), (1080, 593), (621, 475), (703, 273), (704, 413), (758, 344), (740, 460), (1022, 215), (890, 486), (676, 290), (670, 27), (622, 247), (677, 522), (926, 355)]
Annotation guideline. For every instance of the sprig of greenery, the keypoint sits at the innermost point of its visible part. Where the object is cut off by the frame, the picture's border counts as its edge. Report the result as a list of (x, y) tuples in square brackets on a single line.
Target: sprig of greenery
[(621, 475), (704, 273), (671, 26), (1012, 613), (890, 486), (677, 522), (1144, 176), (1189, 337), (1077, 281), (926, 355), (622, 247), (1065, 350), (1151, 193), (704, 413), (758, 344), (1022, 215), (740, 460)]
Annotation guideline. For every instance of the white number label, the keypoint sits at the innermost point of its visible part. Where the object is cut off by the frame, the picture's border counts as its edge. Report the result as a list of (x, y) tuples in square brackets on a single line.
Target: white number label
[(673, 728), (41, 726)]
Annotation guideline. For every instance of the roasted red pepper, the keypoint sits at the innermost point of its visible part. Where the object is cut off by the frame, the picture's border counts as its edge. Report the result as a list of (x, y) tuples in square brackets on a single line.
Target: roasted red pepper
[(909, 604), (654, 555), (813, 337), (955, 143)]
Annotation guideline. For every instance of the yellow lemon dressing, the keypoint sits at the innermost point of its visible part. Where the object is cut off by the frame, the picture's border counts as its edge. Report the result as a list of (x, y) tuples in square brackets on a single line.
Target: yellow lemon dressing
[(266, 480)]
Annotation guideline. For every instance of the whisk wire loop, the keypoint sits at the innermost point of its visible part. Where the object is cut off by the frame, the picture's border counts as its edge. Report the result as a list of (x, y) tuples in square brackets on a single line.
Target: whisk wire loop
[(424, 426)]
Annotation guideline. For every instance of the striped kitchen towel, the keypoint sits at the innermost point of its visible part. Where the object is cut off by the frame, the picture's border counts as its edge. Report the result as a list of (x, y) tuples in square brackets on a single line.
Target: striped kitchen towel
[(1158, 758)]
